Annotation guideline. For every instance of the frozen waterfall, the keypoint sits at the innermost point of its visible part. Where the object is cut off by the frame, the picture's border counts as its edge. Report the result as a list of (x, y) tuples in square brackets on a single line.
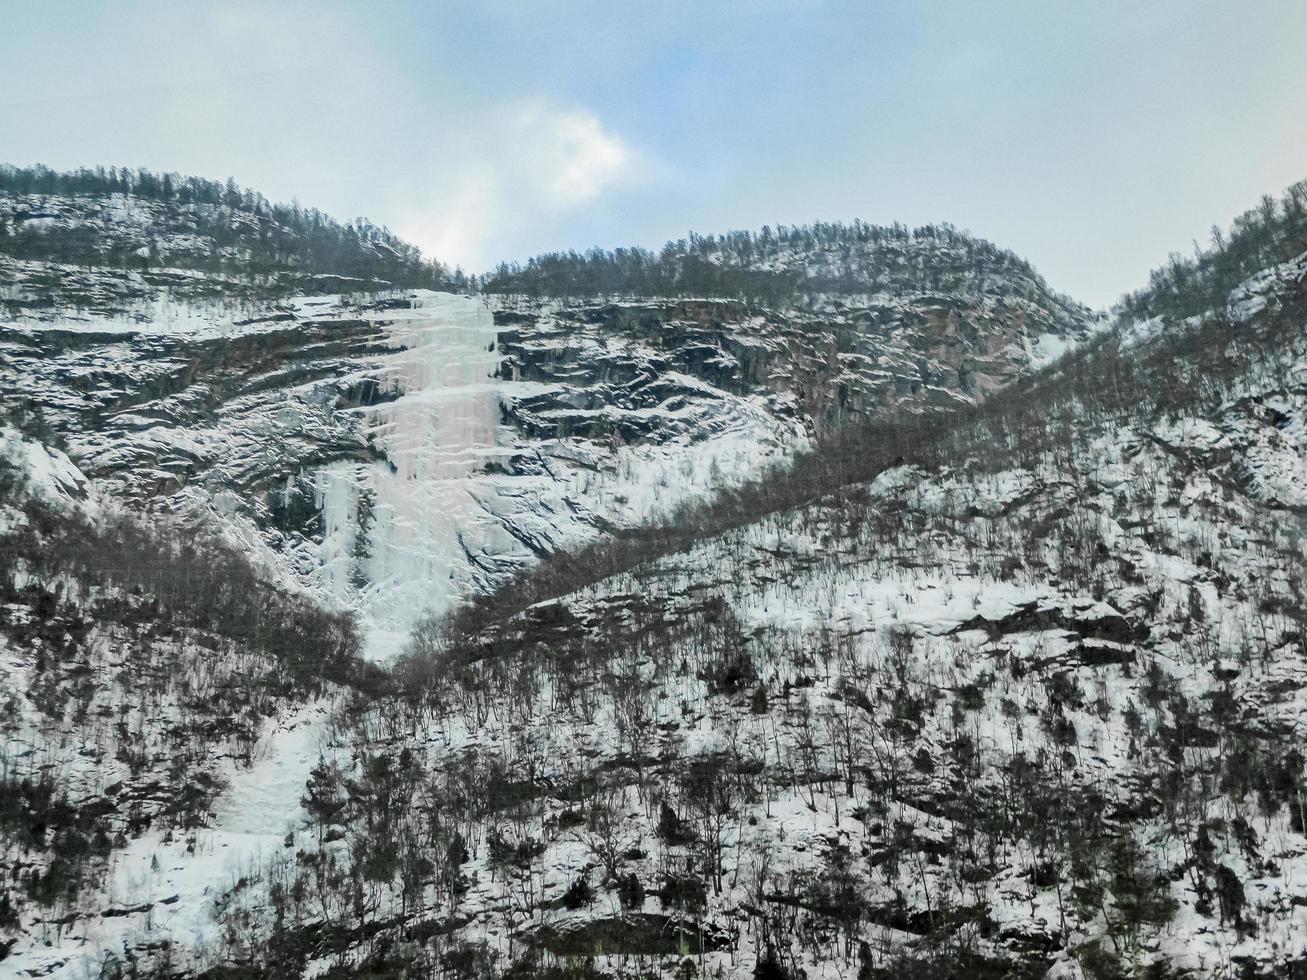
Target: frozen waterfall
[(394, 528)]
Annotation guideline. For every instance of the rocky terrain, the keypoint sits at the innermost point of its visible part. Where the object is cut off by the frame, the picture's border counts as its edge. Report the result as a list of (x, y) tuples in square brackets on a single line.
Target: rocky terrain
[(846, 630), (390, 450)]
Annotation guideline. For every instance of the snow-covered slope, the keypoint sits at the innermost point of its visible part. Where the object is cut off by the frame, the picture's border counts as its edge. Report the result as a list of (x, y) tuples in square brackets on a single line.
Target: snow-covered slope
[(150, 685), (147, 223), (1027, 701), (1029, 704)]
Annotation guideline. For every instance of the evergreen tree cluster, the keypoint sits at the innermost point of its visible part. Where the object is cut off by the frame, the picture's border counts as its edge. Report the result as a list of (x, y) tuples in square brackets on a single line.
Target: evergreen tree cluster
[(781, 264), (1271, 233), (249, 235)]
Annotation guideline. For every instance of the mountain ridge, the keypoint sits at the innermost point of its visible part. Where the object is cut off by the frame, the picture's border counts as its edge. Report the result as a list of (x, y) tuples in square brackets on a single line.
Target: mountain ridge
[(988, 677), (174, 382)]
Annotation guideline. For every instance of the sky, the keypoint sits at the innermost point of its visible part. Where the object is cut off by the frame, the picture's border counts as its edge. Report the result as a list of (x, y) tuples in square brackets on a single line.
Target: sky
[(1093, 138)]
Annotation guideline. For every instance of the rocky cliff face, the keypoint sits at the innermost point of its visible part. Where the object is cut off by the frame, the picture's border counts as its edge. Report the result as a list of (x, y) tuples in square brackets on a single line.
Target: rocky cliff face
[(391, 450)]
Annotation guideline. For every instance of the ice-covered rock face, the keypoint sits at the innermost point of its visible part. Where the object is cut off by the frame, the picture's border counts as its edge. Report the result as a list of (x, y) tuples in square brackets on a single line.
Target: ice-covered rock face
[(397, 451), (393, 539), (386, 453)]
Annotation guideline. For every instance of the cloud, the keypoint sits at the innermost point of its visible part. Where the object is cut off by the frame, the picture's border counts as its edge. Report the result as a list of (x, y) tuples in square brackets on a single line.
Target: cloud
[(325, 105), (457, 231), (523, 166), (577, 159)]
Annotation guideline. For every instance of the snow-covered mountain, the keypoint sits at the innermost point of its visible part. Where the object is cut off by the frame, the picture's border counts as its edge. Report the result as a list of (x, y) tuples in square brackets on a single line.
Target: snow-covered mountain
[(1028, 702), (391, 450), (828, 626)]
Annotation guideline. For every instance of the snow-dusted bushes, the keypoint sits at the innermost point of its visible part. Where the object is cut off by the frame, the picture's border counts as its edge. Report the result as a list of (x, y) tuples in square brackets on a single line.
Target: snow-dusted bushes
[(137, 657)]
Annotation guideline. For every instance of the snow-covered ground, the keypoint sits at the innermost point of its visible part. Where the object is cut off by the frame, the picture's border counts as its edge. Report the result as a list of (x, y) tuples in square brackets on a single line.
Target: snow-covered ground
[(166, 887), (1038, 704)]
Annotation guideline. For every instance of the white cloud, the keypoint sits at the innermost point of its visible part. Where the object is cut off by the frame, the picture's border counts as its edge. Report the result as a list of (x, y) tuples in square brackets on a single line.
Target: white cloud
[(577, 158), (455, 233), (318, 108), (529, 162)]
